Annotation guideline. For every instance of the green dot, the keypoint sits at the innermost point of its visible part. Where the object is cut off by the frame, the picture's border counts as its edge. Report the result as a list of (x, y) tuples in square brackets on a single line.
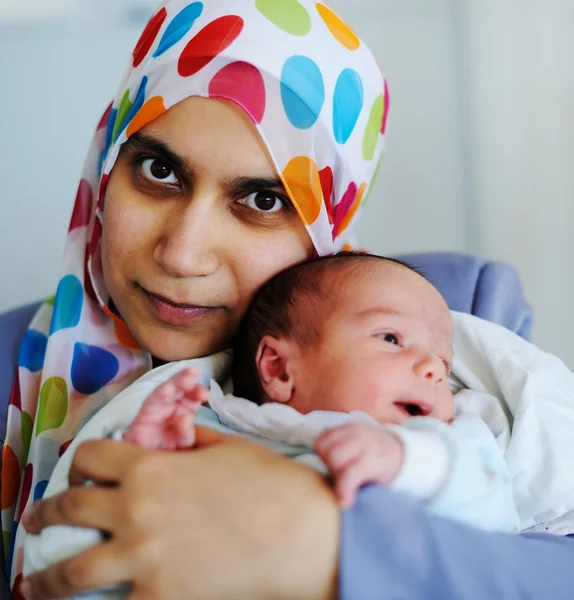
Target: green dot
[(27, 426), (373, 129), (125, 107), (53, 405), (289, 15), (373, 179), (50, 301)]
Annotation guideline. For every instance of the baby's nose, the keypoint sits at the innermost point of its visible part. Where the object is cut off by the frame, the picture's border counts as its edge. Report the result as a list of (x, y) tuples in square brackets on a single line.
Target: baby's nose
[(430, 367)]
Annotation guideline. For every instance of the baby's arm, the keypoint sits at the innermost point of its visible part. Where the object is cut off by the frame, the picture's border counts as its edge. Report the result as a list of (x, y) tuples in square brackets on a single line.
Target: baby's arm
[(456, 468), (359, 453), (165, 420)]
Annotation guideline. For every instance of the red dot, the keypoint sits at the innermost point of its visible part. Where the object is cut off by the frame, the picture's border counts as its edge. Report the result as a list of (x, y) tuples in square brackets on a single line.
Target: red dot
[(105, 118), (83, 206), (15, 397), (212, 40), (326, 177), (148, 37), (26, 486), (243, 83), (64, 447)]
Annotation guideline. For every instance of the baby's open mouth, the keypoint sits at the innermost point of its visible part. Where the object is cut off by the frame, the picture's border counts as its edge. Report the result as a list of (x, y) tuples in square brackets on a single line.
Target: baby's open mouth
[(414, 409)]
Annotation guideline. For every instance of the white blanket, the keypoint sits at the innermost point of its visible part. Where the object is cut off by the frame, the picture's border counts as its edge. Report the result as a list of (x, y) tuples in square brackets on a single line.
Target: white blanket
[(536, 391)]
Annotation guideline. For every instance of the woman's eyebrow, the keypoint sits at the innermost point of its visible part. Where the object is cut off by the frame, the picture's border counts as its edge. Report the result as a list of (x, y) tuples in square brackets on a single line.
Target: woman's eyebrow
[(244, 185), (148, 143)]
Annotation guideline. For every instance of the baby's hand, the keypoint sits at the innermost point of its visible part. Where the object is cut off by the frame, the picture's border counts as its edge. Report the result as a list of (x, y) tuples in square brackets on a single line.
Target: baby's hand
[(165, 420), (359, 453)]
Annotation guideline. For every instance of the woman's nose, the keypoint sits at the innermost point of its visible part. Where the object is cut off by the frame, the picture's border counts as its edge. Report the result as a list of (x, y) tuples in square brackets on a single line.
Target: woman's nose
[(188, 243), (429, 367)]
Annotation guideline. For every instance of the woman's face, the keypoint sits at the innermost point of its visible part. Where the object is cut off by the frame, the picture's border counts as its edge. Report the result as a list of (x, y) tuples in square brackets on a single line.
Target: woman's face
[(195, 221)]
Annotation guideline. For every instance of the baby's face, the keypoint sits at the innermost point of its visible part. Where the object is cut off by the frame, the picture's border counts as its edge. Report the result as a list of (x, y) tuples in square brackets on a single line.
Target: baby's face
[(385, 349)]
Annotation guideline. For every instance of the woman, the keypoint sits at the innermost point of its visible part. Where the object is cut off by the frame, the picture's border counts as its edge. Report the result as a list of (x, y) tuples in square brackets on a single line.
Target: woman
[(242, 140)]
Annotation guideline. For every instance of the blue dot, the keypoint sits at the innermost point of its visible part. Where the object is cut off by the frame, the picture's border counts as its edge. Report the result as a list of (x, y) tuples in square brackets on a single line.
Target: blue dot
[(32, 350), (179, 27), (302, 91), (67, 304), (347, 104), (40, 490), (92, 368)]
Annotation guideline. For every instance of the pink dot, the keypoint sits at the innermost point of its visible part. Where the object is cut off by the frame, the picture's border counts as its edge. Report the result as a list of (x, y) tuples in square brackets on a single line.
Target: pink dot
[(211, 41), (148, 37), (83, 206), (345, 204), (243, 83), (386, 109)]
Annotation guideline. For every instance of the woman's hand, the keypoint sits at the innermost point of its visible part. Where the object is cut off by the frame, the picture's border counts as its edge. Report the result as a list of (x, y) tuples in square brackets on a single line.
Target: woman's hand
[(229, 519)]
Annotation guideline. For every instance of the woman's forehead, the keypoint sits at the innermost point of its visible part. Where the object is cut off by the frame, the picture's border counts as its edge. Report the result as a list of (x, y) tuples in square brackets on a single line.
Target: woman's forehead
[(212, 134)]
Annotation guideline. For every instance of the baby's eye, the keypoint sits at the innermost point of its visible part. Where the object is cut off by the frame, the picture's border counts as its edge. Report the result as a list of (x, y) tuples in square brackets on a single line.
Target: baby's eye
[(263, 202), (390, 338), (158, 171)]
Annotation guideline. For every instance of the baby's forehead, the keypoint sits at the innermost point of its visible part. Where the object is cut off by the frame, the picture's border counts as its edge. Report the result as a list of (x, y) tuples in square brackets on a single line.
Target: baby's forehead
[(379, 287)]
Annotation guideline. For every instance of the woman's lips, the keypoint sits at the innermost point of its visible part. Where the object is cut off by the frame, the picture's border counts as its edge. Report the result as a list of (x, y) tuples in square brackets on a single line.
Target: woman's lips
[(178, 314)]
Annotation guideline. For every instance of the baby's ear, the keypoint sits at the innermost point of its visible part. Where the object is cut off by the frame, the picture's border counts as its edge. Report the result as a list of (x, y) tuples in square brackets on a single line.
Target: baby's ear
[(274, 360)]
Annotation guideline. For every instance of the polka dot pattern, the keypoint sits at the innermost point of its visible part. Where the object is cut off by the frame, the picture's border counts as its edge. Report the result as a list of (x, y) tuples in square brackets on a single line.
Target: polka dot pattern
[(211, 41), (373, 128), (347, 104), (289, 15), (148, 37), (302, 91), (340, 30), (179, 27), (92, 368), (320, 104), (83, 207), (32, 350), (302, 181), (243, 83), (53, 405), (150, 111), (68, 304)]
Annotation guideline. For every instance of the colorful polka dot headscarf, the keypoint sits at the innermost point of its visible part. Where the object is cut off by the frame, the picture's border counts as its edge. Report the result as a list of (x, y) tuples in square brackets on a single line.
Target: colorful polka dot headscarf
[(320, 103)]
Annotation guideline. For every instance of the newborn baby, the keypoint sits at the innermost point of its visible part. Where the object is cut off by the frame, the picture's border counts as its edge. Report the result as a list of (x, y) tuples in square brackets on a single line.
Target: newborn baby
[(351, 334)]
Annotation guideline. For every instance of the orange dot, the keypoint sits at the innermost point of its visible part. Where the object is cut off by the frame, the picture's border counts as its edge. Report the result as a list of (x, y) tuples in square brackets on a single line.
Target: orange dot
[(10, 478), (123, 333), (151, 110), (353, 210), (347, 247), (340, 30), (303, 184)]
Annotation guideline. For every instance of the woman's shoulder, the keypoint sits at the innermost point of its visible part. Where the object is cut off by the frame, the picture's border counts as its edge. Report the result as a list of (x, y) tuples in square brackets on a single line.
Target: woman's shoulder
[(13, 326)]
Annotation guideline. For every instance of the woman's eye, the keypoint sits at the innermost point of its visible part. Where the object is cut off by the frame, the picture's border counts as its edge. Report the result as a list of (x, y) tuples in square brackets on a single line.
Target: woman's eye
[(158, 171), (390, 338), (263, 202)]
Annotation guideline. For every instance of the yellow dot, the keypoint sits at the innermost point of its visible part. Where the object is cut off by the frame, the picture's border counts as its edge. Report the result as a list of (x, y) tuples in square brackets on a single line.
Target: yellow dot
[(340, 30), (303, 184)]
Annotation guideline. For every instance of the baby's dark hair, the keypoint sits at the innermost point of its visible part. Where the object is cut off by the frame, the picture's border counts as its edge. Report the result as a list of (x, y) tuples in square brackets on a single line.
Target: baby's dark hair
[(276, 310)]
